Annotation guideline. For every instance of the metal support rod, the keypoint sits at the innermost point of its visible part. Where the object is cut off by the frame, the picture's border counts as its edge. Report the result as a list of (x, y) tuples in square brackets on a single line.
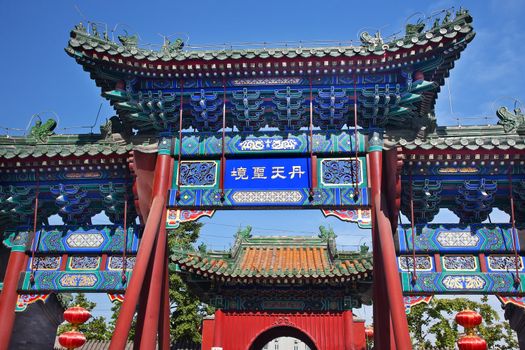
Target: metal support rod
[(35, 218), (412, 225), (355, 176), (223, 142), (160, 188), (517, 278), (177, 194), (387, 251), (313, 160), (125, 244)]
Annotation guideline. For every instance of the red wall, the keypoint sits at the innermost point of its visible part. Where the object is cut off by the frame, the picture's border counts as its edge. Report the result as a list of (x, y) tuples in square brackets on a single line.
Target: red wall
[(326, 330), (207, 333)]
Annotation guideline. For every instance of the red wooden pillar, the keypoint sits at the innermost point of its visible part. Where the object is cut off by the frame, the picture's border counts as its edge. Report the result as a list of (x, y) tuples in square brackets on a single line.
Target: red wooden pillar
[(386, 247), (218, 329), (165, 312), (381, 307), (141, 312), (151, 321), (392, 184), (9, 296), (158, 207)]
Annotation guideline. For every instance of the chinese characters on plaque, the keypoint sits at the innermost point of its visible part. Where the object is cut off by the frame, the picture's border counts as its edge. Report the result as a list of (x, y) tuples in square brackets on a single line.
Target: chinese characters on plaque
[(260, 173), (281, 173)]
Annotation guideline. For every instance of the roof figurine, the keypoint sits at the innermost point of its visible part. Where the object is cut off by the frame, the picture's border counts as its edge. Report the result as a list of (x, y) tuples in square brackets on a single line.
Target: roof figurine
[(326, 233), (174, 47), (115, 129), (243, 234), (128, 41), (371, 41), (41, 132), (510, 121), (414, 29)]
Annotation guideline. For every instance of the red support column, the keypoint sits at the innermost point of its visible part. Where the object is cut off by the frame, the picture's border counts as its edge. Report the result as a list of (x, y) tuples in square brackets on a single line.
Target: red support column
[(381, 307), (151, 322), (15, 265), (158, 207), (141, 313), (217, 330), (386, 248), (392, 184), (165, 312)]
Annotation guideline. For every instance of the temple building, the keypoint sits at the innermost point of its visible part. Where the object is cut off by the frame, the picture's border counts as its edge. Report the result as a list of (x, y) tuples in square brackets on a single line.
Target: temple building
[(281, 279)]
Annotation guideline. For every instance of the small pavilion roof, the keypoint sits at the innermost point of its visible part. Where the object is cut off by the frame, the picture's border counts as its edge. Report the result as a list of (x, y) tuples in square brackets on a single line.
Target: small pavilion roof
[(274, 259)]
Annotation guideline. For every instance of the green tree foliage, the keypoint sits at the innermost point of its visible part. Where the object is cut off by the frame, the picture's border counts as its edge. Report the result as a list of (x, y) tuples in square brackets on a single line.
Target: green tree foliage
[(187, 310), (96, 328), (433, 326)]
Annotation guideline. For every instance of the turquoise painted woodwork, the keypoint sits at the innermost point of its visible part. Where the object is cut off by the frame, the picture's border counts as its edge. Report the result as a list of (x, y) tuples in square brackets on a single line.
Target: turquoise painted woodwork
[(73, 281), (17, 241), (267, 143), (297, 198), (453, 238), (94, 239)]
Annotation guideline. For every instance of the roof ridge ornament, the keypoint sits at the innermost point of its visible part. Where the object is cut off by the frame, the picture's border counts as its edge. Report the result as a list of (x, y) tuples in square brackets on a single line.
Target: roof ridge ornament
[(326, 234), (41, 132), (510, 121), (244, 234), (128, 41), (172, 48), (371, 41), (114, 129)]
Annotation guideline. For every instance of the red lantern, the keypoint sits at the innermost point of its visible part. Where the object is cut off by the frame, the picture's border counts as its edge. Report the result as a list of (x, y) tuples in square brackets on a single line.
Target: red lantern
[(468, 319), (72, 339), (472, 342), (76, 315), (369, 332)]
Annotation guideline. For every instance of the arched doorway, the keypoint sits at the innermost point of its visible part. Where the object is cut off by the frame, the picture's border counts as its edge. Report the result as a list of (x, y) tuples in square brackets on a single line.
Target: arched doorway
[(283, 331)]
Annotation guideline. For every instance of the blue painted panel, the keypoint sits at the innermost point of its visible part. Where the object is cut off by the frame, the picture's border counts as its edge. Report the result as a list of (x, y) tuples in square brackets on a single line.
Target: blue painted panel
[(292, 198), (86, 239), (453, 238), (273, 173), (462, 283), (73, 281)]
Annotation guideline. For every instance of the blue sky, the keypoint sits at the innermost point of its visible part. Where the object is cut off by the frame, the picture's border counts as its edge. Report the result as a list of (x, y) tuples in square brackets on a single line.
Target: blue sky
[(38, 77)]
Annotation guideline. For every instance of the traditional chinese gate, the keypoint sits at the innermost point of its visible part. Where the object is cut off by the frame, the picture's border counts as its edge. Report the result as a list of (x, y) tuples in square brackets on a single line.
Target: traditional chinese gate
[(286, 128)]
